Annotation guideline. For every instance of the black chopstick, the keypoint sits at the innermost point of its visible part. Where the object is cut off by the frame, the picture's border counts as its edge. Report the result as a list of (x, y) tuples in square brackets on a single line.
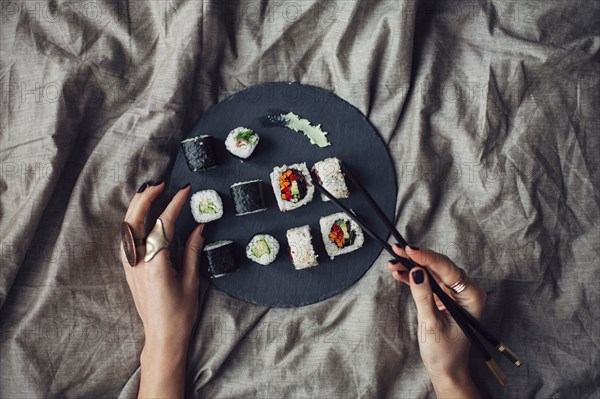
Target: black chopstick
[(451, 306), (476, 324)]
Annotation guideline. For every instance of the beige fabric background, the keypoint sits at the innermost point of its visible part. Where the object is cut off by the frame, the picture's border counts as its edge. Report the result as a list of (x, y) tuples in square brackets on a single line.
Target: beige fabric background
[(490, 109)]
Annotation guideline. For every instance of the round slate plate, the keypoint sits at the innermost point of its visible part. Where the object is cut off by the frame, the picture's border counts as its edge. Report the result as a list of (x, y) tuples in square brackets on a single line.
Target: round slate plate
[(353, 140)]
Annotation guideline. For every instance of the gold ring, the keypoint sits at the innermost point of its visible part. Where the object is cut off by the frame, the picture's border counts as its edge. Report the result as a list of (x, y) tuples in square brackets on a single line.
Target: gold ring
[(461, 284), (156, 241)]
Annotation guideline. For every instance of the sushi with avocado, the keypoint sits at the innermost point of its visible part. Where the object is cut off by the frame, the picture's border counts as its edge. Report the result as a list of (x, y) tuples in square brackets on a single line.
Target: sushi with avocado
[(220, 259), (199, 153), (302, 251), (241, 142), (248, 197), (341, 234), (292, 186), (330, 176), (262, 249), (206, 206)]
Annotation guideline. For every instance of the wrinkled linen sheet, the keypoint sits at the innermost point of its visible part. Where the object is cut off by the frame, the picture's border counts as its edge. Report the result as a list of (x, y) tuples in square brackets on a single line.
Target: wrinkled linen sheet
[(490, 110)]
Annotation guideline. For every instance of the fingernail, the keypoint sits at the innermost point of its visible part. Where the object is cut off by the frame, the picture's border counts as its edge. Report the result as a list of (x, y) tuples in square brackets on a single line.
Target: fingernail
[(399, 245), (203, 231), (413, 247), (394, 261), (185, 186), (142, 188), (157, 183), (418, 276)]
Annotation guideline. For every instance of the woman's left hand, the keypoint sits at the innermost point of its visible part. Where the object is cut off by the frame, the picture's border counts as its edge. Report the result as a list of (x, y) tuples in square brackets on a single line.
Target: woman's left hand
[(166, 301)]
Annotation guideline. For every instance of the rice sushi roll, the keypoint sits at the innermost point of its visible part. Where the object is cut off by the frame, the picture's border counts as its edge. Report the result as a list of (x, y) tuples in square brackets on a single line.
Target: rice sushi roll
[(241, 142), (302, 251), (206, 206), (199, 153), (220, 258), (341, 234), (262, 249), (292, 186), (248, 197), (330, 176)]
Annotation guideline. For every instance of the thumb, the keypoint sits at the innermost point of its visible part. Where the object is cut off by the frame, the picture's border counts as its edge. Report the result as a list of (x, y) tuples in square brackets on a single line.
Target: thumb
[(191, 255), (423, 296)]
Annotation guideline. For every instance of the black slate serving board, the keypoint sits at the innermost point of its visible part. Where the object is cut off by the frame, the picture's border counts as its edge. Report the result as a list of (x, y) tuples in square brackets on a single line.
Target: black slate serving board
[(354, 141)]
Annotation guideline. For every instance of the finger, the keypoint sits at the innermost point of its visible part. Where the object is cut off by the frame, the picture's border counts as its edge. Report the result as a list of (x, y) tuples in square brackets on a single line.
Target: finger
[(401, 276), (191, 256), (394, 265), (139, 207), (472, 298), (427, 311), (172, 211)]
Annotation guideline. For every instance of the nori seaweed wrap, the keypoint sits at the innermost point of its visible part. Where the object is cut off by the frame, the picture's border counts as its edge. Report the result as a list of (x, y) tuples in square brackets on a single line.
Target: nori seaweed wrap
[(220, 259), (199, 153), (248, 197)]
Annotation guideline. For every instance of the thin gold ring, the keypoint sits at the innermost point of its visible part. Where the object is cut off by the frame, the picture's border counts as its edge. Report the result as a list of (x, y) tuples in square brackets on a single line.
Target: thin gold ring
[(461, 284)]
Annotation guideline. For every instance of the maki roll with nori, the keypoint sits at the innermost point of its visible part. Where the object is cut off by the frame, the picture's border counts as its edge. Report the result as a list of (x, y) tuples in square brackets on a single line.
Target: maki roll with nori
[(292, 186), (341, 234), (302, 251), (220, 259), (248, 197), (241, 142), (206, 206), (330, 176), (199, 153), (262, 249)]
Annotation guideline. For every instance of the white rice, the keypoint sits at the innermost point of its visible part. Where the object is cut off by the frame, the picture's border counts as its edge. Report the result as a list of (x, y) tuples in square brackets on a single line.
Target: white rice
[(332, 249), (241, 148), (310, 189), (331, 178), (301, 248), (265, 258), (206, 198)]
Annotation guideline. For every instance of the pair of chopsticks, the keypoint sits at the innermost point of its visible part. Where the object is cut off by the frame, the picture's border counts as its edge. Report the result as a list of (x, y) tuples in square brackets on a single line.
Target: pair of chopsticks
[(467, 322)]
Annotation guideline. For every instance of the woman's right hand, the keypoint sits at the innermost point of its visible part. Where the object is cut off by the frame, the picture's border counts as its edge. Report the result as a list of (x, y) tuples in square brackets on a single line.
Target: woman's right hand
[(443, 347)]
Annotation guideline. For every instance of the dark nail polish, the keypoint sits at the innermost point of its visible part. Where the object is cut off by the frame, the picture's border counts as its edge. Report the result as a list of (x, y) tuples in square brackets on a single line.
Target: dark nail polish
[(203, 231), (394, 261), (418, 276), (142, 188), (157, 183), (185, 186), (400, 245), (414, 247)]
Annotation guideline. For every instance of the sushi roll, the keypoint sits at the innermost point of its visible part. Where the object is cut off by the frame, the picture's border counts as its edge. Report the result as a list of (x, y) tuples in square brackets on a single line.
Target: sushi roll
[(248, 197), (341, 234), (262, 249), (199, 153), (206, 206), (330, 176), (220, 258), (292, 186), (302, 251), (241, 142)]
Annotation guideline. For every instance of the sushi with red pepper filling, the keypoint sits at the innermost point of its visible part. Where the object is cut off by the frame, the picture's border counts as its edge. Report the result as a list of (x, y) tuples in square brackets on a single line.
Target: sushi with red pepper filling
[(292, 186), (341, 234)]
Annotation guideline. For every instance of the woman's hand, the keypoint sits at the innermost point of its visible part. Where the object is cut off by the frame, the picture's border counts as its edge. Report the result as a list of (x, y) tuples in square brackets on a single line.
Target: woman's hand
[(443, 346), (166, 301)]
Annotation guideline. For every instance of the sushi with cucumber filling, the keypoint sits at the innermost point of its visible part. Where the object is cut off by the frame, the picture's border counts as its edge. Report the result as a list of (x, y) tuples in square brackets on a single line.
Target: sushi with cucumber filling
[(292, 186), (341, 234), (262, 249), (330, 176), (302, 251), (220, 259), (248, 197), (206, 206), (199, 153), (241, 142)]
